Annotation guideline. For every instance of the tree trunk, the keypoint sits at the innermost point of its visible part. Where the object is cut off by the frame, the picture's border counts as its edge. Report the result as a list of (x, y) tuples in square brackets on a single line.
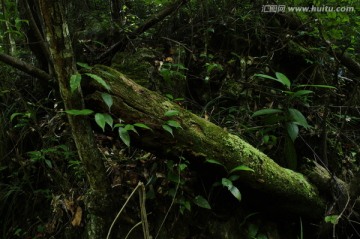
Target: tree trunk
[(7, 28), (200, 140), (57, 35)]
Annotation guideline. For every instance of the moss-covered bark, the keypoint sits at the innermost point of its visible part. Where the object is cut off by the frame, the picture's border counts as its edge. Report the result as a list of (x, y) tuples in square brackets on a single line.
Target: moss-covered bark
[(199, 140)]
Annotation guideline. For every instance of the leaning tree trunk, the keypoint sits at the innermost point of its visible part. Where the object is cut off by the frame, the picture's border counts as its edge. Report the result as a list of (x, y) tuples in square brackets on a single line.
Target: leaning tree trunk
[(200, 140), (57, 35)]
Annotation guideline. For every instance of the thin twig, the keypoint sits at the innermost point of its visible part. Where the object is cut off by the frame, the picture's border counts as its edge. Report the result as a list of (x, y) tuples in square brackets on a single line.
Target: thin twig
[(117, 216), (172, 203)]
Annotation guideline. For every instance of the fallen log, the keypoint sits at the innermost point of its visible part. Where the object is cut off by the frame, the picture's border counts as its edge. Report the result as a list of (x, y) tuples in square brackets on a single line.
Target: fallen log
[(199, 140)]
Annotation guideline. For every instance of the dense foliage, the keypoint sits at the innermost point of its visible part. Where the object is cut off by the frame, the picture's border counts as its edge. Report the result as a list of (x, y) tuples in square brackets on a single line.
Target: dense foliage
[(287, 82)]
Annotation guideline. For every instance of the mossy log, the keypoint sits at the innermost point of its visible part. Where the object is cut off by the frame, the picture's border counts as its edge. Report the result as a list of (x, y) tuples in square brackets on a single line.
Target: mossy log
[(199, 140)]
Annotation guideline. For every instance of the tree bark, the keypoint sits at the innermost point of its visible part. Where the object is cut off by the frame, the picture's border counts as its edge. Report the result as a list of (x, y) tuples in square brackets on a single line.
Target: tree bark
[(57, 35), (200, 140), (29, 10)]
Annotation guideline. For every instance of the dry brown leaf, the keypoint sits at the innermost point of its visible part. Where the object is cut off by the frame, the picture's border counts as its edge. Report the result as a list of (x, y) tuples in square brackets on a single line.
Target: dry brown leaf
[(69, 204), (76, 222)]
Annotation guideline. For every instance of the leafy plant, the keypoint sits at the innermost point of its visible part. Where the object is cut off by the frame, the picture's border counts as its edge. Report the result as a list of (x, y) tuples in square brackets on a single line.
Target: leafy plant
[(171, 70), (169, 125), (47, 154), (288, 117), (23, 119), (231, 177), (103, 119)]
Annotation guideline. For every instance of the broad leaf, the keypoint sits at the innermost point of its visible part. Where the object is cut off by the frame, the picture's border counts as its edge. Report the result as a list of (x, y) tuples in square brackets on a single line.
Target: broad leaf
[(213, 161), (168, 129), (84, 65), (266, 112), (266, 76), (100, 120), (109, 120), (99, 80), (131, 127), (201, 202), (107, 99), (333, 219), (229, 185), (173, 123), (79, 112), (124, 136), (293, 130), (144, 126), (241, 168), (170, 113), (298, 118), (48, 163), (226, 183), (283, 79), (235, 192), (302, 92), (75, 81)]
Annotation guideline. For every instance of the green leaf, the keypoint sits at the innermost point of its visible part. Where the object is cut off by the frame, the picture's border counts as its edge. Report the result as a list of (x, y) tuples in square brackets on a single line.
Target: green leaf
[(173, 123), (109, 120), (131, 127), (48, 163), (144, 126), (283, 79), (235, 192), (75, 81), (14, 115), (253, 230), (169, 96), (266, 112), (83, 65), (170, 113), (280, 78), (168, 129), (298, 118), (124, 136), (100, 120), (233, 178), (79, 112), (302, 92), (317, 86), (229, 185), (187, 205), (213, 161), (107, 99), (241, 168), (201, 202), (99, 80), (333, 219), (265, 76), (226, 183), (293, 130)]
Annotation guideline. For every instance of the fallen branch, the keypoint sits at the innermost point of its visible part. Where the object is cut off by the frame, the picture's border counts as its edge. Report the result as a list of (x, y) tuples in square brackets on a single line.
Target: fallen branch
[(25, 67)]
